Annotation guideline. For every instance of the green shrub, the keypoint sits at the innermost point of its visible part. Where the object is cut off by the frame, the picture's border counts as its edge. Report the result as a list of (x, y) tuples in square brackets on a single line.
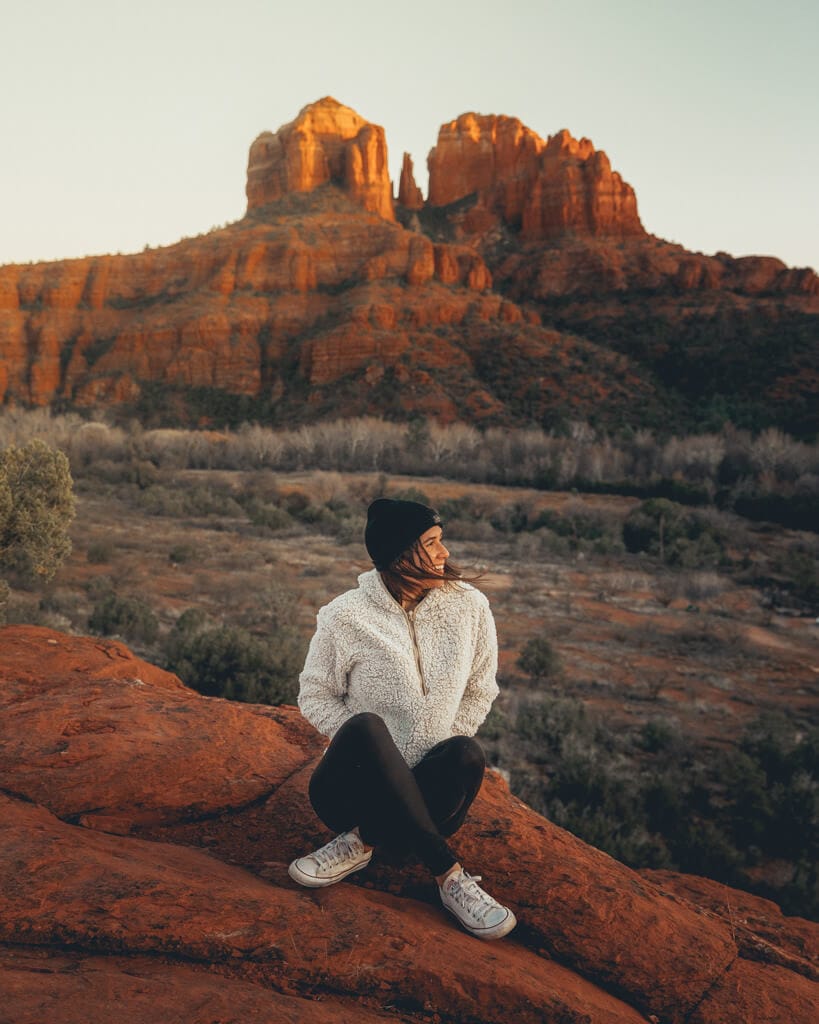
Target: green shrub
[(36, 509), (455, 509), (801, 570), (230, 662), (651, 799), (676, 535), (128, 617), (100, 552), (182, 553), (263, 513), (513, 518), (162, 500), (412, 494), (539, 660), (25, 609), (495, 725), (578, 525), (773, 784), (658, 734)]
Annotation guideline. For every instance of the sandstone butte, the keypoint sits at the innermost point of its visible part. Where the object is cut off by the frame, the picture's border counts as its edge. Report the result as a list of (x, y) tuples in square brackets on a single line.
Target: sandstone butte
[(143, 877), (330, 298), (326, 143)]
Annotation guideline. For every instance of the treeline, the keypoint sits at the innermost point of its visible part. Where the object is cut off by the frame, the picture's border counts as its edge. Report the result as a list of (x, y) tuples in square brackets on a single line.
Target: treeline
[(769, 476)]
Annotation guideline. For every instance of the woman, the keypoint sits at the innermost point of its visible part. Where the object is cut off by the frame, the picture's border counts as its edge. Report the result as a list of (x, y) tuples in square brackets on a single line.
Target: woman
[(400, 674)]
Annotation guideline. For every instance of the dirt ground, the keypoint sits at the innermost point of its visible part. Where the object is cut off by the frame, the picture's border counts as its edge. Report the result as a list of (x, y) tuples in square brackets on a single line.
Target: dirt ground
[(636, 641)]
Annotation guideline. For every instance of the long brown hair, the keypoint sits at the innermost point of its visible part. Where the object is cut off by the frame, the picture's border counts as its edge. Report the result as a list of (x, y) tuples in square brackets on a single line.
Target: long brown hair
[(404, 570)]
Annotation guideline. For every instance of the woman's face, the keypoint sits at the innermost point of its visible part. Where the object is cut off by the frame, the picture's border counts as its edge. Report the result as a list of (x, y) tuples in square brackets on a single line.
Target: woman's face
[(430, 554)]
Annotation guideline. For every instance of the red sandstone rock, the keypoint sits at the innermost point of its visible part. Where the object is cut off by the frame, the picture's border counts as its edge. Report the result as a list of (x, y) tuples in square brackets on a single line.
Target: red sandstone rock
[(479, 153), (758, 993), (326, 143), (593, 268), (761, 928), (75, 988), (104, 893), (409, 195), (222, 311), (235, 310), (377, 940), (165, 755), (547, 189)]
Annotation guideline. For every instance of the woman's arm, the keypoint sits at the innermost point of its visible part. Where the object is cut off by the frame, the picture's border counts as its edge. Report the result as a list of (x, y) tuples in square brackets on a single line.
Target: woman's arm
[(481, 688), (323, 681)]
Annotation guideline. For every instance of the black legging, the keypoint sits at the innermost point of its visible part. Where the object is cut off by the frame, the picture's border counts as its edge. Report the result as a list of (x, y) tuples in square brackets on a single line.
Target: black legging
[(363, 780)]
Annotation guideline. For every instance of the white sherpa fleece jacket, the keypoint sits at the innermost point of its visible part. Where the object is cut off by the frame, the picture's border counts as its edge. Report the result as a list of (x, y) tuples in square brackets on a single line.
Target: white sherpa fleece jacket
[(429, 673)]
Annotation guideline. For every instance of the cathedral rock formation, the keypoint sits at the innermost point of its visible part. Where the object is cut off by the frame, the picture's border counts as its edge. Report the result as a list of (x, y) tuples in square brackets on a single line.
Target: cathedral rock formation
[(143, 877), (326, 143), (548, 189), (523, 289)]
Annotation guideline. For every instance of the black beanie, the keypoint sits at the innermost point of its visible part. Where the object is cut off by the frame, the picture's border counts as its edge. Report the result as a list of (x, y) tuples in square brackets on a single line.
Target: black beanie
[(393, 526)]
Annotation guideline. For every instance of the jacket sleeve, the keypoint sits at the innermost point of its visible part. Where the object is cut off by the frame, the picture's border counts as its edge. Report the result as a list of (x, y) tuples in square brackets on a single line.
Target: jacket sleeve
[(323, 681), (481, 688)]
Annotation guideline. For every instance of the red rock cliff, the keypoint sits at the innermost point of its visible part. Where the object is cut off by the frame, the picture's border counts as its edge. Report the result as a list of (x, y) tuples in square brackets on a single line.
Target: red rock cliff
[(548, 189), (347, 287), (326, 143), (319, 304)]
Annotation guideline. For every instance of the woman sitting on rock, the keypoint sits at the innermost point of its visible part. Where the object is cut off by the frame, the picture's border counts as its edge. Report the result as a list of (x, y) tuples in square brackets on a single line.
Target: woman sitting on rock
[(400, 674)]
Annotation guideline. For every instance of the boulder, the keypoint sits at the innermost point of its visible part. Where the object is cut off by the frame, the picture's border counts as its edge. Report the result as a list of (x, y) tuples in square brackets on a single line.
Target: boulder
[(126, 744), (143, 861)]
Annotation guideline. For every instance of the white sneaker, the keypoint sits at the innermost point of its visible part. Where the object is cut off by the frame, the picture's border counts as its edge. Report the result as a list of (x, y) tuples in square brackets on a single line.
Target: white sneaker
[(475, 909), (339, 858)]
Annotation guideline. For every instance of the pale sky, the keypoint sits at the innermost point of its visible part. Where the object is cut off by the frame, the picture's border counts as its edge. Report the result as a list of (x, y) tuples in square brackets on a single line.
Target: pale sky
[(128, 123)]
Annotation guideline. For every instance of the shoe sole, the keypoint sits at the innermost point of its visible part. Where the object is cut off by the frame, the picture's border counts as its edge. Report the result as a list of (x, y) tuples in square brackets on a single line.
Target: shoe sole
[(311, 882), (497, 932)]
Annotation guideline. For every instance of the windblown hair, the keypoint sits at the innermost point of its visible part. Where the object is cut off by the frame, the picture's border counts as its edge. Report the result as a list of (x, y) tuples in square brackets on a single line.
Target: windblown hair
[(404, 571)]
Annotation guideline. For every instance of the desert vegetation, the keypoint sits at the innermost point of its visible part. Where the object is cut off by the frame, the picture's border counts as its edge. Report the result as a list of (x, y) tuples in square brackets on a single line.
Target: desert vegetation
[(767, 476), (658, 651), (652, 797), (36, 510)]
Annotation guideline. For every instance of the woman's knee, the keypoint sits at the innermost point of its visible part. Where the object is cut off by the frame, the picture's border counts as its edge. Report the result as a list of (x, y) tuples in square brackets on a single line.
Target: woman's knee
[(366, 726), (468, 754)]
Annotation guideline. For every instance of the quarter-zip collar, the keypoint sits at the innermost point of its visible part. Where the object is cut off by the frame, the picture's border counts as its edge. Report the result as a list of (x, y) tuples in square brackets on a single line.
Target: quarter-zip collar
[(373, 586), (410, 617)]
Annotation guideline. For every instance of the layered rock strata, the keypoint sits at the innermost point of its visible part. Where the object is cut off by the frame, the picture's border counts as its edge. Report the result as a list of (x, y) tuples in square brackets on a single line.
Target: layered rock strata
[(319, 296), (497, 306)]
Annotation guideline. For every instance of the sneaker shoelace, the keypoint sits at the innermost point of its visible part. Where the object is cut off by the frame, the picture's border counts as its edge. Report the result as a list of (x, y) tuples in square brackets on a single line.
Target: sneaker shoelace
[(343, 847), (468, 894)]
